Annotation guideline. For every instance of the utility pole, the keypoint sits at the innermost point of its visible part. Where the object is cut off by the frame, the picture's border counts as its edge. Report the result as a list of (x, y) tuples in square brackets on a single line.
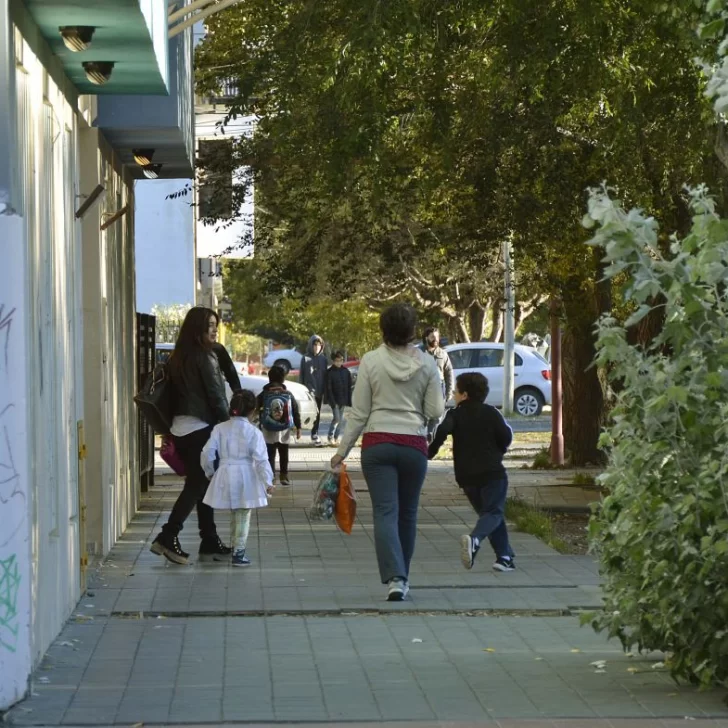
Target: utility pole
[(508, 328), (557, 435)]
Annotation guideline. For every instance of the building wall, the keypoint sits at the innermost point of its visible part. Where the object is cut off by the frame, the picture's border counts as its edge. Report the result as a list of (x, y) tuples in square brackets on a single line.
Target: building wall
[(67, 351), (165, 257), (112, 491)]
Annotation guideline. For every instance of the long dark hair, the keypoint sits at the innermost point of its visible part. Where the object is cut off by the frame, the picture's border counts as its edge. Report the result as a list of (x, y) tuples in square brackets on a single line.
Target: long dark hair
[(191, 335)]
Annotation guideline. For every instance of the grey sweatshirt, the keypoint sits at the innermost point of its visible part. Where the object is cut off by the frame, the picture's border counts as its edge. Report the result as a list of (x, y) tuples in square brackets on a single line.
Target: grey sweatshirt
[(397, 391)]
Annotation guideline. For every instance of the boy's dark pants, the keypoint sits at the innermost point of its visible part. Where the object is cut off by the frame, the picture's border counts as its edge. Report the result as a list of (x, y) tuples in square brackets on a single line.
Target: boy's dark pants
[(489, 502), (282, 449)]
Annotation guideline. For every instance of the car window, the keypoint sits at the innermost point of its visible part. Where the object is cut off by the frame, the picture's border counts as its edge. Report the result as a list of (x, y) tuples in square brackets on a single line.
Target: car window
[(461, 358), (490, 358), (519, 360)]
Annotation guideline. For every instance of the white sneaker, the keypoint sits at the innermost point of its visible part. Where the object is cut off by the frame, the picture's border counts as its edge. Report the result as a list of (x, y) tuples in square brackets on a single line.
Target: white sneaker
[(468, 549), (398, 590)]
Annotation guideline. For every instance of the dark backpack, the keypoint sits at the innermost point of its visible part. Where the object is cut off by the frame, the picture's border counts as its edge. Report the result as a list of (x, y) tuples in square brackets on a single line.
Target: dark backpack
[(277, 412), (156, 400)]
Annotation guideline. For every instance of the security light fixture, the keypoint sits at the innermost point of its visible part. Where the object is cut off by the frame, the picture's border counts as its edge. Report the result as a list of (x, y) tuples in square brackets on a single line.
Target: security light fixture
[(77, 37), (143, 157), (151, 171), (98, 72)]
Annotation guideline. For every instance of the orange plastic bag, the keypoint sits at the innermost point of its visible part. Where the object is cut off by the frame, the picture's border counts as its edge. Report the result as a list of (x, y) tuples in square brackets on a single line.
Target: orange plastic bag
[(345, 511)]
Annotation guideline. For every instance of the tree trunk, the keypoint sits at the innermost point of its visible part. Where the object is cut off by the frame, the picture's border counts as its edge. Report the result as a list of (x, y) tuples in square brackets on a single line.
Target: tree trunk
[(476, 321), (584, 406), (496, 329), (584, 386)]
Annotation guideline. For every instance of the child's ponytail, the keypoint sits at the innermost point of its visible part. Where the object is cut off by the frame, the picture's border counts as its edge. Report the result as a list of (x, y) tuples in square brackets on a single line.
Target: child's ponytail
[(242, 403)]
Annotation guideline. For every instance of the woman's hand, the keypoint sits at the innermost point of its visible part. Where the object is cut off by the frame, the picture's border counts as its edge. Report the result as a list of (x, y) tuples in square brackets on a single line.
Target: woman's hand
[(336, 462)]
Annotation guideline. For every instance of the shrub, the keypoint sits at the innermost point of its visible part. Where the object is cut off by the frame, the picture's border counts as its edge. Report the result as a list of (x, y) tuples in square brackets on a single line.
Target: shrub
[(662, 532)]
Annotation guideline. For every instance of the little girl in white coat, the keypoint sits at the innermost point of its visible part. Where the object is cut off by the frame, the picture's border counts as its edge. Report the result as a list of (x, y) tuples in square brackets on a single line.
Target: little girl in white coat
[(243, 479)]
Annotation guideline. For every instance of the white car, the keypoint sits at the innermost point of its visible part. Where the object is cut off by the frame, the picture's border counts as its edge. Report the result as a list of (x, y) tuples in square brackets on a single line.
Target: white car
[(287, 359), (532, 373), (304, 398)]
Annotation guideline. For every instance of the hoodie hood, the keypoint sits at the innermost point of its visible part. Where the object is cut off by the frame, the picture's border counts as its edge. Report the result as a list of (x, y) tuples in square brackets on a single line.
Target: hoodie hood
[(402, 364), (311, 342)]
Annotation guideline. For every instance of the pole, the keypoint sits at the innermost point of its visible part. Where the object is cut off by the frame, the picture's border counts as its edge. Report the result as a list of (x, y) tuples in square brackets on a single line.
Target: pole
[(557, 435), (508, 328)]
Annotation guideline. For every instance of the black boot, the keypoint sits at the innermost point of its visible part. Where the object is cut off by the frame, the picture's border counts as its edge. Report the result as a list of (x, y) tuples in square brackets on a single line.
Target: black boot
[(213, 549), (169, 547)]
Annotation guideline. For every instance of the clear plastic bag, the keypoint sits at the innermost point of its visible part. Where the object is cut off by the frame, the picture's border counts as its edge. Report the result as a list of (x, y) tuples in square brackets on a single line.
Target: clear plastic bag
[(324, 498)]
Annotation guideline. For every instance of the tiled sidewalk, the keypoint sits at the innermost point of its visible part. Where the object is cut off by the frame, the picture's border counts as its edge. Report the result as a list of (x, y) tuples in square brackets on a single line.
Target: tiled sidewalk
[(305, 635)]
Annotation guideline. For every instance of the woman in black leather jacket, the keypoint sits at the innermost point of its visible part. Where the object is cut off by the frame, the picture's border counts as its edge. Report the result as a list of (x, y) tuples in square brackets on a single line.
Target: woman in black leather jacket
[(200, 404)]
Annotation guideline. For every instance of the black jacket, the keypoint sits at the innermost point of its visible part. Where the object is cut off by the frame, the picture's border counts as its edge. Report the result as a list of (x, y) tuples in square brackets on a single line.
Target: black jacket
[(480, 439), (313, 368), (296, 410), (227, 367), (338, 386), (199, 386)]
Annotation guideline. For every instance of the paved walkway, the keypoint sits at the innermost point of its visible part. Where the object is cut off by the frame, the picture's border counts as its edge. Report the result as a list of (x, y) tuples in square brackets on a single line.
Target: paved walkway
[(305, 634)]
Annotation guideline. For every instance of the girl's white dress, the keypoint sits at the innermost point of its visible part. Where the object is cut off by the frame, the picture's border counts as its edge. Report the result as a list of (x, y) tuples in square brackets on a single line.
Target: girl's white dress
[(244, 473)]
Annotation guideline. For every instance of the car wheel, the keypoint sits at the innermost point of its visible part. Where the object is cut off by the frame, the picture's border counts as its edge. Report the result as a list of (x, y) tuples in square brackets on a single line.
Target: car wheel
[(283, 364), (528, 402)]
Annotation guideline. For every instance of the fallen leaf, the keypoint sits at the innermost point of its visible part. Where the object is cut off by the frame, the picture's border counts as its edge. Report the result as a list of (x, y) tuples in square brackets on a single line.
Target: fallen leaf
[(632, 669), (658, 666), (576, 650), (416, 639), (489, 649), (538, 659), (600, 672), (598, 663)]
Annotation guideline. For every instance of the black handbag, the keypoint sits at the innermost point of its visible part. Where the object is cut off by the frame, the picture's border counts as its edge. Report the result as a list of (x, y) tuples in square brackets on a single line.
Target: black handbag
[(156, 400)]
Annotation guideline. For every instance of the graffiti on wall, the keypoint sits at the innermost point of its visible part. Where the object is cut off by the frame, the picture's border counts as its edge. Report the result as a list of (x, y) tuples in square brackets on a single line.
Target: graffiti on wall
[(9, 590)]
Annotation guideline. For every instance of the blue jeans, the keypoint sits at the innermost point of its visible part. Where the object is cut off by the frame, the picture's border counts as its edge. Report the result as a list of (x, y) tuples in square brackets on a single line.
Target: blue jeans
[(489, 502), (337, 422), (394, 475)]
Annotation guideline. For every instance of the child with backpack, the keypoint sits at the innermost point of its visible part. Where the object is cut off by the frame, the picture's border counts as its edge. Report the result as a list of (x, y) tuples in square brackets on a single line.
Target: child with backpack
[(279, 414), (480, 437), (243, 479)]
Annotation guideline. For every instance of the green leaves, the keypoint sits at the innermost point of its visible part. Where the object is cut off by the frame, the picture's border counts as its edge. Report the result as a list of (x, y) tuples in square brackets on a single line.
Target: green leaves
[(661, 533)]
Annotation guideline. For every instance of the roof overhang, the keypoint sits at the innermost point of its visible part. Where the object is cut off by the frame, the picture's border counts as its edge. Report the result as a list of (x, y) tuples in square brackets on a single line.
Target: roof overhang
[(130, 33)]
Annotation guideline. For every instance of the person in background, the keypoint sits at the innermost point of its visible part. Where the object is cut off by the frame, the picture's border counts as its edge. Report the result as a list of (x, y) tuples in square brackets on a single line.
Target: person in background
[(397, 392), (338, 394), (200, 404), (431, 343), (481, 437), (313, 376), (243, 479), (279, 439)]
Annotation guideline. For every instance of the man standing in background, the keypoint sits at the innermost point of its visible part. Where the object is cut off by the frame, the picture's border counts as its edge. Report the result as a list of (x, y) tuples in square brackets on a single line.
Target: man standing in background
[(431, 342)]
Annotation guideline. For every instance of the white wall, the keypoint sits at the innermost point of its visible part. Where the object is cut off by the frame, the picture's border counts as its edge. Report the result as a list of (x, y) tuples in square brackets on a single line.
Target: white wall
[(214, 240), (15, 495), (164, 248)]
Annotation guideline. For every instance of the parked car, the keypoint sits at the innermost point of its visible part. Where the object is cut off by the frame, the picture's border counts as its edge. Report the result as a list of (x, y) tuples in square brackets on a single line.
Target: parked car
[(163, 352), (287, 359), (306, 401), (532, 373)]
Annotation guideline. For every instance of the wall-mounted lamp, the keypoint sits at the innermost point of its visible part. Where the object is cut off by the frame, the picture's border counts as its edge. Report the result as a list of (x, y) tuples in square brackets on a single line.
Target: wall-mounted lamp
[(98, 72), (90, 201), (77, 37), (151, 171), (143, 157)]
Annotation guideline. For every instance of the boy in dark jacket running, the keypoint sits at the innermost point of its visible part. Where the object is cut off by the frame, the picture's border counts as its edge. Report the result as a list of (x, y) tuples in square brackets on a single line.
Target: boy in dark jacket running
[(481, 437), (338, 394)]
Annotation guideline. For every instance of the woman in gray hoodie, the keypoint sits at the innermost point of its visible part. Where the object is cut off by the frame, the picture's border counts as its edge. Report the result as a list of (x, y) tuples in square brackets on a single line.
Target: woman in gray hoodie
[(397, 393)]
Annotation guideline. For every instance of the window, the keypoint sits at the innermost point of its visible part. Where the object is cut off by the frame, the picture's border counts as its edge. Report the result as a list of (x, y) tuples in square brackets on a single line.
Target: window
[(215, 198), (461, 358), (490, 358)]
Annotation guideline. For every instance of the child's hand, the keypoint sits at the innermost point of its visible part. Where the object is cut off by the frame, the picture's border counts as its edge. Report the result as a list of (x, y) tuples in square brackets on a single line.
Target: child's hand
[(270, 489)]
